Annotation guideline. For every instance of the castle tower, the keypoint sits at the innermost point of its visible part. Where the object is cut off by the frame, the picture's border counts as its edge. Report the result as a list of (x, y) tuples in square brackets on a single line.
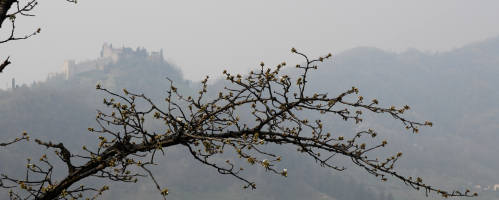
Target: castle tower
[(109, 52), (67, 67), (157, 56)]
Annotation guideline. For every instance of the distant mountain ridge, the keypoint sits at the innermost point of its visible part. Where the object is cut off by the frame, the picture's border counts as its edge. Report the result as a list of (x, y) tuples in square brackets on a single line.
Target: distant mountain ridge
[(456, 90)]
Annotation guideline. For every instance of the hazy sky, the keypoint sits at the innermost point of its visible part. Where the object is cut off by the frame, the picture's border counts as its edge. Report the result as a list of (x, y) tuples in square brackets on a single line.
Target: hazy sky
[(204, 37)]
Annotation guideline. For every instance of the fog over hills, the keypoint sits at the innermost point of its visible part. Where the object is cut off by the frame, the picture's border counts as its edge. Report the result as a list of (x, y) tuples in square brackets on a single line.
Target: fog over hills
[(456, 90)]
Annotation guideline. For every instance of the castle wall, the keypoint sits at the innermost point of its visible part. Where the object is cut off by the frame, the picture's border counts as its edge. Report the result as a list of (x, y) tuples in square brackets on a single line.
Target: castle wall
[(108, 55), (71, 68)]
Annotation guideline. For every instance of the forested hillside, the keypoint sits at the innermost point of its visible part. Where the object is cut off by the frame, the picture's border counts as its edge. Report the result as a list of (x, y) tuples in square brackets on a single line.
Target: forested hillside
[(455, 90)]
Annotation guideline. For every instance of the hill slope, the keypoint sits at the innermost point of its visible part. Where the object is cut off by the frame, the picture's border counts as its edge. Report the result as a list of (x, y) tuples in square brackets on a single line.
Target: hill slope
[(456, 90)]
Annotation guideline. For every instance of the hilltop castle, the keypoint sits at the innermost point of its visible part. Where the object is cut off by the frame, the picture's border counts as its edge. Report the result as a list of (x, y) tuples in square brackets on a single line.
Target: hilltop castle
[(108, 55)]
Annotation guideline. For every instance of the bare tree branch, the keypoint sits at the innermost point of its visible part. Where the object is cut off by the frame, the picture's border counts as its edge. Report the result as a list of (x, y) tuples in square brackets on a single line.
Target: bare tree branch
[(4, 64), (265, 107), (4, 8), (10, 10)]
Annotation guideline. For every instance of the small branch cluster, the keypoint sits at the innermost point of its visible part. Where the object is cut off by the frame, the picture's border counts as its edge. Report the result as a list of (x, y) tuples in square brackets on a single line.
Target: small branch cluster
[(24, 136), (265, 107), (10, 10), (18, 9)]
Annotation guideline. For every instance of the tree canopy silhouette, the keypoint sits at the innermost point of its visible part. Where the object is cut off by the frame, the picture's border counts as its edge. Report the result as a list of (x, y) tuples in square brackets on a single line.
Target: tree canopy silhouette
[(228, 131)]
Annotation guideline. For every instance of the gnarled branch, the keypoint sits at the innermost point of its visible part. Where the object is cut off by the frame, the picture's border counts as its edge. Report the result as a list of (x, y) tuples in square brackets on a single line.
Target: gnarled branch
[(265, 107)]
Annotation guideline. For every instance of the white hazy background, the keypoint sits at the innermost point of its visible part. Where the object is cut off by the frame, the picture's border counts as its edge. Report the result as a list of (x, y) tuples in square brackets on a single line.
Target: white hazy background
[(204, 37)]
